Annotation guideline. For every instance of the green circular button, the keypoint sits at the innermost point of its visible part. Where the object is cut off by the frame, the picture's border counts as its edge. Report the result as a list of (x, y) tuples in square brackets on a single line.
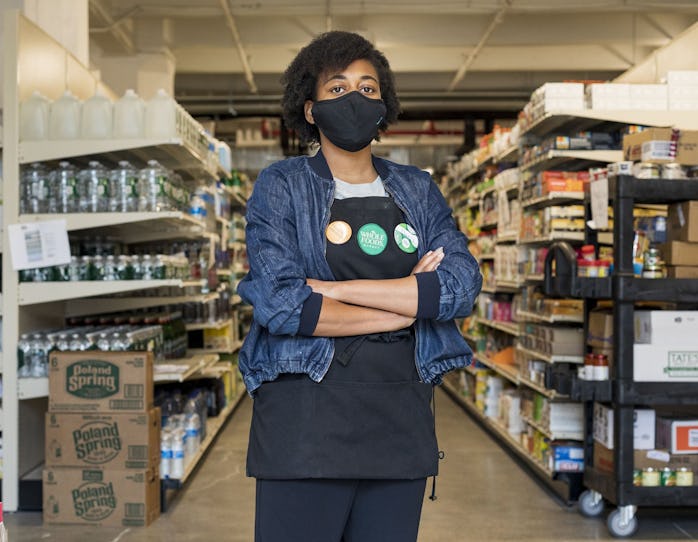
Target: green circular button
[(406, 238), (372, 239)]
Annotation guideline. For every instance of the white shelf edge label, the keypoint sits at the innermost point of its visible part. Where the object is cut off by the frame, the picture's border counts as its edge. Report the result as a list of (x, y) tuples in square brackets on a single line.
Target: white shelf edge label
[(39, 244)]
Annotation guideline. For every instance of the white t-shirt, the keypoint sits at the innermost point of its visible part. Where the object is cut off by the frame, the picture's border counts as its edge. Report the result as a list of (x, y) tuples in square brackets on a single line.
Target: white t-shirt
[(345, 190)]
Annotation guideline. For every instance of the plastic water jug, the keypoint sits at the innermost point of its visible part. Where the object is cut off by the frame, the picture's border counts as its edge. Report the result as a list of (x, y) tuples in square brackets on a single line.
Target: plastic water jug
[(129, 113), (34, 114), (97, 114), (160, 116), (64, 122), (224, 155)]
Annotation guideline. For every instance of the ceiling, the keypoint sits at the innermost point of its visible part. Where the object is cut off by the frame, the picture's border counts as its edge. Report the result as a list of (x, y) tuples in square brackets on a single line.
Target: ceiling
[(451, 58)]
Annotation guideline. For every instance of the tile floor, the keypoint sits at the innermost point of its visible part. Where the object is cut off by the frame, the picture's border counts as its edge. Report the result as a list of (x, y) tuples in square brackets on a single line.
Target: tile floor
[(483, 495)]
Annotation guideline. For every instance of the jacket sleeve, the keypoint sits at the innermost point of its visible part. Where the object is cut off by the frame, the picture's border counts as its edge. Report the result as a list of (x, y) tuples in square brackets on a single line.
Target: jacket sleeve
[(276, 282), (459, 273)]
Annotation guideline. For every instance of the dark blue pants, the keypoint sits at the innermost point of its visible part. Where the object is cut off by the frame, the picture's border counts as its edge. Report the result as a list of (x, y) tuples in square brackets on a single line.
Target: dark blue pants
[(338, 510)]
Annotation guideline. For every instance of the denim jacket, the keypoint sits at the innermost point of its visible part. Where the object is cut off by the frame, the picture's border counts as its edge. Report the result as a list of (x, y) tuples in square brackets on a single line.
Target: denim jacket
[(287, 215)]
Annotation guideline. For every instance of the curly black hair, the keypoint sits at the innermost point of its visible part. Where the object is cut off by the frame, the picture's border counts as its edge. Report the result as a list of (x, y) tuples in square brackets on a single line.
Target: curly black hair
[(333, 50)]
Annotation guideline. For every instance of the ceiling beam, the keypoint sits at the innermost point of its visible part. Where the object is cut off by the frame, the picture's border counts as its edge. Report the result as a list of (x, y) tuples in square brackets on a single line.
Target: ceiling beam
[(249, 76), (113, 26), (463, 69)]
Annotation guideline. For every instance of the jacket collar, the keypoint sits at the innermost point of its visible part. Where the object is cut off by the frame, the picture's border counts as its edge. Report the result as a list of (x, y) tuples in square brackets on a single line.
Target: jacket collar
[(319, 166)]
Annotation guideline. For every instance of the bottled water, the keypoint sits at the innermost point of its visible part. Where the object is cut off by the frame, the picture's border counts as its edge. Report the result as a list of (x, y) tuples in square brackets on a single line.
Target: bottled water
[(24, 356), (165, 454), (110, 268), (35, 189), (193, 435), (64, 184), (160, 116), (96, 117), (64, 117), (94, 189), (154, 188), (177, 465), (124, 188), (129, 113), (34, 117), (63, 342), (38, 355)]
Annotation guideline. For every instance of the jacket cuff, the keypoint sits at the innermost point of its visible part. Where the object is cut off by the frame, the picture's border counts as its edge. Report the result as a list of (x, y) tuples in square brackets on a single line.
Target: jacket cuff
[(428, 294), (310, 314)]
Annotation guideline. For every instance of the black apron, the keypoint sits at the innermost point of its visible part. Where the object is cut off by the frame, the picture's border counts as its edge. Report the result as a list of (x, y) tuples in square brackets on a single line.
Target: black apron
[(370, 417)]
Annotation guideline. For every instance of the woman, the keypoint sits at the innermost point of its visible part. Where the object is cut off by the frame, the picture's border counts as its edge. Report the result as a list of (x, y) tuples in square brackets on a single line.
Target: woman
[(357, 272)]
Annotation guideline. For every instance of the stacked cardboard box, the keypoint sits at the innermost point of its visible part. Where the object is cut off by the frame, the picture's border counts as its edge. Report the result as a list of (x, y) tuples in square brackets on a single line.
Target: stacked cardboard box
[(102, 440)]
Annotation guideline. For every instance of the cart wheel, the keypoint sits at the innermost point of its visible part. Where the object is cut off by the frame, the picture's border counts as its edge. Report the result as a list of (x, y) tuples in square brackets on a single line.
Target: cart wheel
[(621, 527), (590, 504)]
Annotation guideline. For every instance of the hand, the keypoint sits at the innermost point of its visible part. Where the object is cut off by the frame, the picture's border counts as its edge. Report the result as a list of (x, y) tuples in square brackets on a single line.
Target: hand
[(323, 287), (429, 262)]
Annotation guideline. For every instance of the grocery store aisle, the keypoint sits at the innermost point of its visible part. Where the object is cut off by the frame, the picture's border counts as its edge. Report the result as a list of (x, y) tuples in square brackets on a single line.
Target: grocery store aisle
[(483, 495)]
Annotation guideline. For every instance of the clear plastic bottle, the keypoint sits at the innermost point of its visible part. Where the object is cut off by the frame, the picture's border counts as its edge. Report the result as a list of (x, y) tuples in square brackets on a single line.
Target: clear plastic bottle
[(146, 267), (36, 190), (38, 353), (165, 454), (63, 342), (74, 269), (97, 117), (24, 356), (64, 117), (94, 189), (124, 188), (193, 435), (110, 268), (177, 465), (64, 189), (160, 116), (154, 188), (129, 113), (34, 117)]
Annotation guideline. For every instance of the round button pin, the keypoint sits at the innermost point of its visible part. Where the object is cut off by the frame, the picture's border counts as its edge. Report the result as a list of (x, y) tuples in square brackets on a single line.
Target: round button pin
[(406, 237), (338, 232), (372, 239)]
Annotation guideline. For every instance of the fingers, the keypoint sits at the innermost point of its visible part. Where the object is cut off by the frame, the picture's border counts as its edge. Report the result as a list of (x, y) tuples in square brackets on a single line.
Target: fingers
[(430, 261)]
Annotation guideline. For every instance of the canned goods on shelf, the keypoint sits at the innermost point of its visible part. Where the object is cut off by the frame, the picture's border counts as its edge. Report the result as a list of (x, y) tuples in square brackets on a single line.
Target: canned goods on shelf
[(668, 477), (650, 477), (684, 477)]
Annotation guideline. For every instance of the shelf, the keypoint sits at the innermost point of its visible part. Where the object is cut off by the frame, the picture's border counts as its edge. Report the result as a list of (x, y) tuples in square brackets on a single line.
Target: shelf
[(32, 388), (653, 190), (234, 194), (209, 325), (509, 372), (551, 318), (511, 285), (658, 393), (546, 392), (512, 328), (553, 198), (535, 277), (130, 227), (471, 338), (557, 435), (554, 158), (508, 237), (486, 256), (179, 370), (564, 121), (554, 358), (101, 305), (233, 348), (507, 155), (31, 293), (172, 153), (556, 236), (488, 225)]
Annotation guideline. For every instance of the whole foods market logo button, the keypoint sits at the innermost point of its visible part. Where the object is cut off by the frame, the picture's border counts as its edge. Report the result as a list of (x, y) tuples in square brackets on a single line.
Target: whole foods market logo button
[(97, 442), (406, 238), (94, 501), (92, 379), (372, 239)]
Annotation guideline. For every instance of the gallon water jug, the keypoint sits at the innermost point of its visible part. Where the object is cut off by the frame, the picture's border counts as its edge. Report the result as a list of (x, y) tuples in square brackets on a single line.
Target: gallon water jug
[(96, 117), (65, 117), (160, 116), (34, 113), (129, 112)]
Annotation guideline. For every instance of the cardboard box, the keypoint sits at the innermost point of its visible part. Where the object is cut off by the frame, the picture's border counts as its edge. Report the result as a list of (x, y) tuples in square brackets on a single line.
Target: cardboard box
[(100, 497), (643, 427), (680, 253), (95, 381), (665, 363), (665, 327), (600, 328), (680, 436), (105, 441), (567, 458), (682, 272), (654, 145), (642, 459), (682, 222)]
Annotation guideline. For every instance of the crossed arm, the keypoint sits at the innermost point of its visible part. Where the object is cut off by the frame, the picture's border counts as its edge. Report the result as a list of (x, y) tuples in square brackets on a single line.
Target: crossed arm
[(355, 307)]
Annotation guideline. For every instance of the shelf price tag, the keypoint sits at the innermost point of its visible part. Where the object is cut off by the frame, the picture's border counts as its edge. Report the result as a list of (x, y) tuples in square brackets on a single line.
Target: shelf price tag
[(599, 204), (39, 244)]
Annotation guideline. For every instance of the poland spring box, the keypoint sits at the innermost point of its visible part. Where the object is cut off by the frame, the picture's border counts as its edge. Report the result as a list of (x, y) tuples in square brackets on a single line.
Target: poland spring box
[(96, 381)]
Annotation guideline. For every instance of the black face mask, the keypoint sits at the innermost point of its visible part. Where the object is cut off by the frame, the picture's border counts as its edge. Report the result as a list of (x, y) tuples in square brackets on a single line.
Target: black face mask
[(350, 122)]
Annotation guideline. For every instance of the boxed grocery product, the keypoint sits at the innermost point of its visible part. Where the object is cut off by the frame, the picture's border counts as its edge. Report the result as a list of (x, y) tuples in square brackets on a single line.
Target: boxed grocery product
[(682, 222), (678, 435), (564, 417), (656, 145), (600, 328), (643, 427), (96, 381), (608, 96), (682, 77), (661, 327), (680, 253), (567, 458), (100, 497), (649, 97), (642, 459), (94, 440), (682, 272)]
